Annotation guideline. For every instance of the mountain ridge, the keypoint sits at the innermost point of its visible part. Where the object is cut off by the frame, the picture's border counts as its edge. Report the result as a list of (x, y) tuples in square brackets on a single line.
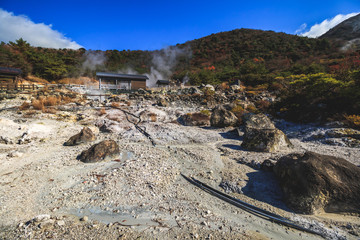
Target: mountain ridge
[(347, 30)]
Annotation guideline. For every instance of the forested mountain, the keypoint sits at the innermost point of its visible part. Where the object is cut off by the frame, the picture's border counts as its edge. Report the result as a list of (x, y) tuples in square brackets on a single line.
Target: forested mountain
[(310, 76), (219, 57)]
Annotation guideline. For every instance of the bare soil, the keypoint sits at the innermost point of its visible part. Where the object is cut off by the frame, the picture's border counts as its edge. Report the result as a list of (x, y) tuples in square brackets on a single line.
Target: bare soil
[(141, 194)]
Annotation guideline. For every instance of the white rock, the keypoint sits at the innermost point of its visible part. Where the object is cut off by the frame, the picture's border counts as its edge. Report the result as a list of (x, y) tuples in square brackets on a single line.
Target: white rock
[(42, 217), (60, 222)]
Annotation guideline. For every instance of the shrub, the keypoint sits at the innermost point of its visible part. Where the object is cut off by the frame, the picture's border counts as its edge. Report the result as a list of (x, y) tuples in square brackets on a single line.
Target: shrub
[(238, 111), (353, 120), (205, 112), (38, 104), (51, 101), (252, 109)]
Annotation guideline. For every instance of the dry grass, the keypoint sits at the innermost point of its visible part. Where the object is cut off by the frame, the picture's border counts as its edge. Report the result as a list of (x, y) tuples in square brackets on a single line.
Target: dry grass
[(153, 117), (36, 79), (41, 102), (38, 104), (51, 101), (78, 81), (49, 110), (29, 113), (239, 112), (115, 104), (252, 109), (24, 106), (102, 112), (66, 99)]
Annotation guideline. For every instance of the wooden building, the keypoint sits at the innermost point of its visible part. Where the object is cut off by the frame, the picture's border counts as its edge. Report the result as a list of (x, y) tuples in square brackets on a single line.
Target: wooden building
[(9, 75), (116, 81), (163, 83)]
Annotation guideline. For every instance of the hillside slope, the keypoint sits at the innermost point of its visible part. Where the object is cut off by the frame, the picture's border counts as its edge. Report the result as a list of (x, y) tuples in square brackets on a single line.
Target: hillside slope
[(347, 30)]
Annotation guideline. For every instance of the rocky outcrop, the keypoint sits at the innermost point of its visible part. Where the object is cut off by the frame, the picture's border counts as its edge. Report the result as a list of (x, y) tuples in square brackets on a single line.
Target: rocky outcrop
[(104, 150), (262, 135), (190, 90), (85, 135), (195, 119), (220, 117), (314, 183)]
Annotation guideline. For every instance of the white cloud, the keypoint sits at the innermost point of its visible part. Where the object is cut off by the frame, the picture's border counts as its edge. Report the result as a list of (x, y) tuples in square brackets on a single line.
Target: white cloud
[(301, 28), (321, 28), (37, 34)]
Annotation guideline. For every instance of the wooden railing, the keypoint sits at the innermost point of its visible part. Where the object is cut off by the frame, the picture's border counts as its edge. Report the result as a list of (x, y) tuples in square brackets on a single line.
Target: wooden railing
[(26, 87)]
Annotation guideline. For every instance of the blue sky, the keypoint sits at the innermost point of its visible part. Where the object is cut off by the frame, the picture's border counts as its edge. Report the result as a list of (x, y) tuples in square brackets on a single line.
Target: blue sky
[(149, 25)]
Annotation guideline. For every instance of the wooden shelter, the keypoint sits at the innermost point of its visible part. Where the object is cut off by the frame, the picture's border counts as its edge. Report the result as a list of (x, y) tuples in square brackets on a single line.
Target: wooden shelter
[(9, 75), (116, 81), (163, 83)]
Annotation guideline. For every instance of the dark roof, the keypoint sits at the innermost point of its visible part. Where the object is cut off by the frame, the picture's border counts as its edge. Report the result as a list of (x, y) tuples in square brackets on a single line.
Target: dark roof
[(163, 82), (10, 71), (125, 76)]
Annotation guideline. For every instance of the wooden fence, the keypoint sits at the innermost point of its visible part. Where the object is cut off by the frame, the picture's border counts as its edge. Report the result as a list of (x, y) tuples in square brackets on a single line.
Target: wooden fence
[(26, 87)]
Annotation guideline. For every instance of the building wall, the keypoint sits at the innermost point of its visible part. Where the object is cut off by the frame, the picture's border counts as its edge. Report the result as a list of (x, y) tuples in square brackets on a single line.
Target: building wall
[(7, 78), (135, 85), (108, 82)]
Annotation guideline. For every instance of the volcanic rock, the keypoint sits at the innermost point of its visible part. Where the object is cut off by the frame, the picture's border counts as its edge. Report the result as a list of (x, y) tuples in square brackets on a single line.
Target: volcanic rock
[(314, 183), (162, 102), (209, 87), (262, 135), (85, 135), (104, 150), (235, 88), (195, 119), (221, 117)]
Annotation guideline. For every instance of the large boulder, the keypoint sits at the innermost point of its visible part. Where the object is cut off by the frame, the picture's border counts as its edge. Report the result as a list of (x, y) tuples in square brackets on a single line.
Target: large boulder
[(85, 135), (314, 183), (220, 117), (195, 119), (105, 150), (262, 135)]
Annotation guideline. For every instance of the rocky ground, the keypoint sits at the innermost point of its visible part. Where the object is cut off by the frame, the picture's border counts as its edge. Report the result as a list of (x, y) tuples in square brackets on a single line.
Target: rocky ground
[(45, 192)]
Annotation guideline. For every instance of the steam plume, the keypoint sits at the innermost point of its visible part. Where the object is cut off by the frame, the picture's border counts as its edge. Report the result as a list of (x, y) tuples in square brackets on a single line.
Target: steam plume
[(164, 61), (94, 60)]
